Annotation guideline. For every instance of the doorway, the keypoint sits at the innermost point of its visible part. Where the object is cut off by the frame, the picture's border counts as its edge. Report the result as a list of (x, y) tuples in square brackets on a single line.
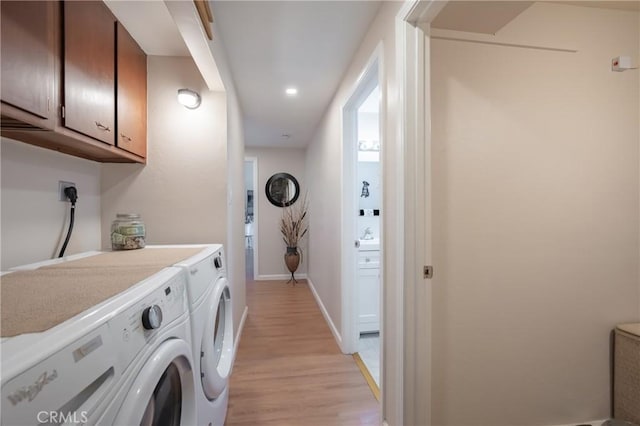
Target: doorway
[(250, 217), (362, 225)]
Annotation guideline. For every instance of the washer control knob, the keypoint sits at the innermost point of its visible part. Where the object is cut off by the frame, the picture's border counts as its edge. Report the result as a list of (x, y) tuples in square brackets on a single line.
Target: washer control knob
[(152, 317), (218, 262)]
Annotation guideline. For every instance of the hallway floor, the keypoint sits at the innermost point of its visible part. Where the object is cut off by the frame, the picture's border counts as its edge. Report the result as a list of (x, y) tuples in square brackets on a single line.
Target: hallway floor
[(369, 351), (289, 369)]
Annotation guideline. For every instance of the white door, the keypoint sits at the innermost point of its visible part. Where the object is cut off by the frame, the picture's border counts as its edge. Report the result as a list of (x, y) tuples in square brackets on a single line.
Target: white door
[(415, 295), (163, 392), (216, 348), (362, 144)]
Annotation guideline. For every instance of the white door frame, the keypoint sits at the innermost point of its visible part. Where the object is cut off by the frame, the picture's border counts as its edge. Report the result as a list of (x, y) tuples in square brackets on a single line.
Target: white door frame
[(370, 77), (256, 193), (414, 139)]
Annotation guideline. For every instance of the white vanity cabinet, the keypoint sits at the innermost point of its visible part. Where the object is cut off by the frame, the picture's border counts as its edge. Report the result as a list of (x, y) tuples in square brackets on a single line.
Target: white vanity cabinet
[(368, 291)]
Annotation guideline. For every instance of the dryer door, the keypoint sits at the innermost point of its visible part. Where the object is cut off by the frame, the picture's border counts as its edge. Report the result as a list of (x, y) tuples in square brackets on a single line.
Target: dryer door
[(216, 348), (163, 392)]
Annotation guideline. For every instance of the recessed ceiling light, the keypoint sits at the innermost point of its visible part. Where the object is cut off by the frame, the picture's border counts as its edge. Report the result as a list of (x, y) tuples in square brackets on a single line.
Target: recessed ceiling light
[(291, 91)]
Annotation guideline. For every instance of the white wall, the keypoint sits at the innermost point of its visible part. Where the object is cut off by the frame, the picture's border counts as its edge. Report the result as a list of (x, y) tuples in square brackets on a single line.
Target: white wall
[(369, 124), (535, 217), (34, 221), (323, 176), (235, 184), (268, 244), (188, 191), (181, 192), (235, 202)]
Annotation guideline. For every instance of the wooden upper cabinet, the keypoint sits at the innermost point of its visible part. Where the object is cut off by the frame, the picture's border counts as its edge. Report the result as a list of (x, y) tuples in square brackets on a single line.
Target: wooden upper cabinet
[(89, 69), (131, 64), (28, 68)]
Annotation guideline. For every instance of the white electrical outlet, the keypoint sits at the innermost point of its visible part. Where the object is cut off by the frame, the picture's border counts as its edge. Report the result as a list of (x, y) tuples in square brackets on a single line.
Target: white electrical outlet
[(621, 63), (61, 186)]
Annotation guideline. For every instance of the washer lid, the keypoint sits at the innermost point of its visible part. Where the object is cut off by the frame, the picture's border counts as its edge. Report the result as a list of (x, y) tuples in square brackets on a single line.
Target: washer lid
[(216, 347)]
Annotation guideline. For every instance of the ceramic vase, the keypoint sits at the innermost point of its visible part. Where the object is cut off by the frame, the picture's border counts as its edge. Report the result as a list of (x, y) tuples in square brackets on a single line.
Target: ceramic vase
[(292, 260)]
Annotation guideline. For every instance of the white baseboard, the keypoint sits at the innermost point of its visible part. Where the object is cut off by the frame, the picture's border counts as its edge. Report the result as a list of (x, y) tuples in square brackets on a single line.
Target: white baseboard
[(279, 277), (591, 422), (325, 314), (238, 336)]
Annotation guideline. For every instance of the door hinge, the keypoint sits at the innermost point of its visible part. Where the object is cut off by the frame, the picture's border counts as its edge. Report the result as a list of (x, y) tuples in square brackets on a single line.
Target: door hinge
[(62, 110), (428, 272)]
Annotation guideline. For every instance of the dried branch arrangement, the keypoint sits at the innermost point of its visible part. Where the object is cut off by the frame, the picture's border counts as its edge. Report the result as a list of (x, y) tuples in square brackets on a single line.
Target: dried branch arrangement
[(293, 224)]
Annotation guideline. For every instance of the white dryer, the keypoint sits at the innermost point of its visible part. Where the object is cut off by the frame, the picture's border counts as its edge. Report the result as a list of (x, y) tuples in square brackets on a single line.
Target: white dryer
[(125, 361), (155, 340), (212, 330)]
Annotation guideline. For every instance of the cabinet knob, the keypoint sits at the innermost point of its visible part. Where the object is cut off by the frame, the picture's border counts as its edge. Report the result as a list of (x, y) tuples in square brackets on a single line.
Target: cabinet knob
[(102, 126), (123, 136)]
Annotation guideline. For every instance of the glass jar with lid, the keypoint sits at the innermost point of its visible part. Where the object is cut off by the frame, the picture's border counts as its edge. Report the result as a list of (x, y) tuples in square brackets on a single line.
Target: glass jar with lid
[(127, 232)]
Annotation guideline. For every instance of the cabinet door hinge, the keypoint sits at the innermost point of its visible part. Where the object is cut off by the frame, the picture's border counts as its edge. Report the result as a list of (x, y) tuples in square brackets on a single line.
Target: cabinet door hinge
[(428, 272), (62, 110)]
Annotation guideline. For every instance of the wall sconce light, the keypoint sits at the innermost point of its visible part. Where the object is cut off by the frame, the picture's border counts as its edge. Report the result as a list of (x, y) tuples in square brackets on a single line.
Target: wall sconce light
[(189, 98)]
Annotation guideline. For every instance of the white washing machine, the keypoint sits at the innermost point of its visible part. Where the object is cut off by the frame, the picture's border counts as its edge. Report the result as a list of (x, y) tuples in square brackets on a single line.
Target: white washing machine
[(63, 373), (125, 361), (212, 330)]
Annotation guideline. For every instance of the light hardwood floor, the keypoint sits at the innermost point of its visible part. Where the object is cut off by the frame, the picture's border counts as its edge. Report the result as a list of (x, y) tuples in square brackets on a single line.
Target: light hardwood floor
[(289, 369)]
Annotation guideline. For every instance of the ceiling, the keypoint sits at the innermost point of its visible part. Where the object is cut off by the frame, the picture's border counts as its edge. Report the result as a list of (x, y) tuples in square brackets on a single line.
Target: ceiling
[(488, 17), (485, 17), (151, 25), (272, 45), (631, 5)]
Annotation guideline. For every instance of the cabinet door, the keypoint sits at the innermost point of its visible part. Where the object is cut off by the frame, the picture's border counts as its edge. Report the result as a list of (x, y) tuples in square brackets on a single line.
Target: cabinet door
[(27, 56), (89, 69), (131, 64), (368, 300)]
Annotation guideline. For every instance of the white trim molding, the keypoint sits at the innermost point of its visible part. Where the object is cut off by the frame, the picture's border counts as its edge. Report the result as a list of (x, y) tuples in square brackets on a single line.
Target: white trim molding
[(588, 423), (414, 144), (325, 314), (369, 77), (279, 277), (238, 336)]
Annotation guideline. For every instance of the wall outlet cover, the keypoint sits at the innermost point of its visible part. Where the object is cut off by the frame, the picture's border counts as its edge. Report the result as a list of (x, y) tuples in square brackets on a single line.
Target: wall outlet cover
[(621, 63), (61, 186)]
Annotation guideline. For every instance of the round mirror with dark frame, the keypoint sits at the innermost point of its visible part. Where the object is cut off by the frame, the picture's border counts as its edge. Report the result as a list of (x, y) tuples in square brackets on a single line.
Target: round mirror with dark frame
[(282, 189)]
